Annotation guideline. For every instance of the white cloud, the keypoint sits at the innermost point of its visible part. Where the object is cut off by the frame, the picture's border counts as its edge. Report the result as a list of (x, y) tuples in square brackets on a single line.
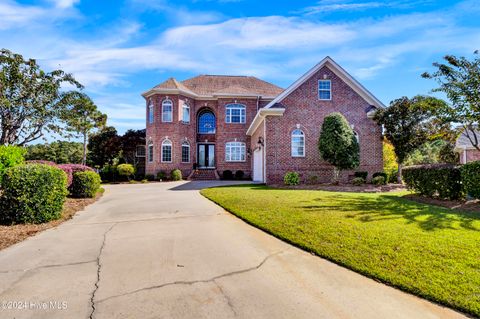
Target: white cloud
[(65, 3)]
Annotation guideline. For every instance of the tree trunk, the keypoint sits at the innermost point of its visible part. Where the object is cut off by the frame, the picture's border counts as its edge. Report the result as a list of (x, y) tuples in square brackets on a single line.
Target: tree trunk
[(336, 174), (84, 158), (399, 175)]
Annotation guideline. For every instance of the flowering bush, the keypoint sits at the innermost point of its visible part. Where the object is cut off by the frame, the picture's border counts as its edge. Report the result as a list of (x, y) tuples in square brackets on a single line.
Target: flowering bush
[(71, 169), (49, 163)]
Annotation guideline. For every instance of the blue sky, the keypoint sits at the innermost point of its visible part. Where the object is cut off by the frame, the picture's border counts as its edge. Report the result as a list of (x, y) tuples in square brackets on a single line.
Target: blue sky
[(119, 49)]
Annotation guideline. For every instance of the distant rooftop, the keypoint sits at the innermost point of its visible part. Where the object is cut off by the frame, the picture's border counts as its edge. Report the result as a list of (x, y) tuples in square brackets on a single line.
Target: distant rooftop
[(209, 85), (463, 139)]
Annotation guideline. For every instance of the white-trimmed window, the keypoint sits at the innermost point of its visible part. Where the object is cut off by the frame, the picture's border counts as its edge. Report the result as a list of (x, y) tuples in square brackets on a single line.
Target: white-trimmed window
[(298, 143), (185, 152), (150, 152), (235, 152), (185, 113), (235, 113), (140, 151), (324, 89), (167, 111), (151, 113), (166, 151)]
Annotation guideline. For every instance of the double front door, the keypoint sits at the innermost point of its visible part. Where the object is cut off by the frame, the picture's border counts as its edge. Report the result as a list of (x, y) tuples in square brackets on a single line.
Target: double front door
[(206, 155)]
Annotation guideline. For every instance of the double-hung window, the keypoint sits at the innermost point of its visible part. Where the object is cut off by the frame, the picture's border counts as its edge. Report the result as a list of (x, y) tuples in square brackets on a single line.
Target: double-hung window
[(150, 112), (298, 143), (235, 113), (235, 152), (167, 111), (324, 89), (167, 151), (185, 113), (185, 152)]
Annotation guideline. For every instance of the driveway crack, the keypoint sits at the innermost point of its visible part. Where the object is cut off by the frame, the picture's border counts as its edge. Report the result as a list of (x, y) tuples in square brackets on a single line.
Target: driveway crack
[(192, 282), (227, 298), (47, 266), (99, 268)]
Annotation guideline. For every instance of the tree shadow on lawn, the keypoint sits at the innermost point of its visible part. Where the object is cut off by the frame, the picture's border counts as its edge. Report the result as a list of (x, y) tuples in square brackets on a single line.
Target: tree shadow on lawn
[(388, 207)]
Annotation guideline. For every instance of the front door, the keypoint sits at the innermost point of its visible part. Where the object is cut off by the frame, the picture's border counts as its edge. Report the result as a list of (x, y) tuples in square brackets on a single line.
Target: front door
[(206, 155)]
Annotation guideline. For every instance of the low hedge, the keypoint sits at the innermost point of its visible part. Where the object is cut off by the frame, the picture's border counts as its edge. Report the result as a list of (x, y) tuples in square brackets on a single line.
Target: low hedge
[(361, 174), (227, 174), (71, 169), (437, 180), (358, 181), (471, 178), (32, 193), (85, 184)]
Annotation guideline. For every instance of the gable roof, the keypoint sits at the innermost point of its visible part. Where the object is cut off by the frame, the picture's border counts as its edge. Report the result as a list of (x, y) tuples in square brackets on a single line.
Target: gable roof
[(341, 73), (464, 142), (218, 85)]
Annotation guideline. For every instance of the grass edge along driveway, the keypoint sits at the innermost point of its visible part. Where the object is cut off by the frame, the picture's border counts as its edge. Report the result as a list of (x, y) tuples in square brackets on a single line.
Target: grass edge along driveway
[(426, 250)]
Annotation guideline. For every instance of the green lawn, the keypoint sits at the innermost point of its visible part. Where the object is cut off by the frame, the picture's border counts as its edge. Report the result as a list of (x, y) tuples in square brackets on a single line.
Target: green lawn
[(426, 250)]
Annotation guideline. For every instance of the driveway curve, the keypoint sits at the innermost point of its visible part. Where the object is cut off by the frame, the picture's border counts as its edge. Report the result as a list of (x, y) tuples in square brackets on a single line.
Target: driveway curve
[(161, 250)]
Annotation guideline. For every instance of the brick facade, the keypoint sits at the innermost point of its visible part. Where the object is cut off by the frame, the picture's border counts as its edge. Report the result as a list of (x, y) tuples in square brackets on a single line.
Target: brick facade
[(304, 110), (301, 109)]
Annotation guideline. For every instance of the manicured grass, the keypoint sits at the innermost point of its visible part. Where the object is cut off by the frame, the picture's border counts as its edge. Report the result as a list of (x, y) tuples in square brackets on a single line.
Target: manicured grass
[(426, 250)]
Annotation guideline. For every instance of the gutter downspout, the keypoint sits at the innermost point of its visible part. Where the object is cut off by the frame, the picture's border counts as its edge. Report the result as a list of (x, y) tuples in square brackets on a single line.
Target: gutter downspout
[(464, 154)]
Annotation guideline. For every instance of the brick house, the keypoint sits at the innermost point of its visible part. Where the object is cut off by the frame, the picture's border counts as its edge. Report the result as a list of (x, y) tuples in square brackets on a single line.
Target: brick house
[(208, 124), (466, 151)]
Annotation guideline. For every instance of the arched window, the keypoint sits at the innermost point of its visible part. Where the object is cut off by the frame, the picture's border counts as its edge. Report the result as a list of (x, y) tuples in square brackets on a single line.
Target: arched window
[(185, 152), (235, 113), (167, 111), (206, 123), (235, 152), (185, 113), (150, 112), (298, 143), (166, 151), (150, 152)]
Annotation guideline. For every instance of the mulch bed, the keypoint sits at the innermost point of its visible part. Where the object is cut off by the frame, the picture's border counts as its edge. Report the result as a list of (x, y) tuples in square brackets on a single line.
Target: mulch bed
[(13, 234), (366, 188), (463, 205)]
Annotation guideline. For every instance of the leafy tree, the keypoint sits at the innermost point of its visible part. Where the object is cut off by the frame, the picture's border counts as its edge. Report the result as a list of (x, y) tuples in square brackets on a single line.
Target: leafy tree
[(390, 165), (81, 117), (338, 145), (430, 153), (10, 156), (130, 140), (407, 125), (61, 152), (31, 101), (459, 79), (104, 146)]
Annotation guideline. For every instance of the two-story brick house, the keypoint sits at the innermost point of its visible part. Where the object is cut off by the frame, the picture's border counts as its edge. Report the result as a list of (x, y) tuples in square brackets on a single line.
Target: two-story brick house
[(216, 123)]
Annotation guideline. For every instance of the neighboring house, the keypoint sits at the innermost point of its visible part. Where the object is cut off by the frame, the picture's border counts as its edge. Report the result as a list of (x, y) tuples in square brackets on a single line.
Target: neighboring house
[(467, 152), (217, 123)]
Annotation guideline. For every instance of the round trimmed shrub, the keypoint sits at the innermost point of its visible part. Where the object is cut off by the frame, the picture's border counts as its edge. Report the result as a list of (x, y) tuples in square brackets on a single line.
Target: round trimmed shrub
[(85, 184), (150, 177), (10, 156), (471, 178), (161, 176), (71, 169), (239, 174), (378, 180), (126, 170), (176, 175), (227, 174), (383, 174), (291, 178), (361, 174), (358, 181), (32, 193)]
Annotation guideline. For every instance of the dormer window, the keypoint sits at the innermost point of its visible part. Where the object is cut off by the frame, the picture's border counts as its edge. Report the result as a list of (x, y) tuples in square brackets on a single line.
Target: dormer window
[(325, 90)]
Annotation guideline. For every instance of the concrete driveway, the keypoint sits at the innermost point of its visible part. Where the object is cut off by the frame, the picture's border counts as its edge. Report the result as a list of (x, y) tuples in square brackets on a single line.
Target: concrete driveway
[(164, 251)]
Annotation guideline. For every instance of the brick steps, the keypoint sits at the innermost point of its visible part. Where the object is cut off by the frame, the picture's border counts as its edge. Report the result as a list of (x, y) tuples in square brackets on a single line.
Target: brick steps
[(203, 175)]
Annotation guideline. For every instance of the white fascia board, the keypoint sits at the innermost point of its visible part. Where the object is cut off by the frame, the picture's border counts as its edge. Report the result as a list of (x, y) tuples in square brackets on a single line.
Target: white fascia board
[(341, 73), (260, 116)]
